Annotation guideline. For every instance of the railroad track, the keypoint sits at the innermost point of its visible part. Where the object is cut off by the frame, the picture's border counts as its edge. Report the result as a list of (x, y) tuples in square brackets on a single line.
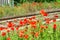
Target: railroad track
[(31, 14), (28, 16)]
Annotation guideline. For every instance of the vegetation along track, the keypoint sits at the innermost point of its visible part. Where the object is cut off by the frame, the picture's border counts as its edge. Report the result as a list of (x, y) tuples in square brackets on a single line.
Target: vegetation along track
[(50, 12), (31, 14)]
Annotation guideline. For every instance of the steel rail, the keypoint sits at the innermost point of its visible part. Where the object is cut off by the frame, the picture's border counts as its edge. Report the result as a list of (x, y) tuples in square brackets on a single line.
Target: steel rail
[(30, 14)]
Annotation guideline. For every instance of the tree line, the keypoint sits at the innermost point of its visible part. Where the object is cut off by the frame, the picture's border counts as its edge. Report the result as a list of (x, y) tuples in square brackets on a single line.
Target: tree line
[(22, 1)]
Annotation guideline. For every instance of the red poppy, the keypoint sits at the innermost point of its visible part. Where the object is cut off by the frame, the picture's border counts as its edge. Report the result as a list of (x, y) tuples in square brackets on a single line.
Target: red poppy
[(12, 28), (34, 26), (21, 22), (10, 24), (26, 21), (46, 27), (42, 26), (5, 28), (25, 30), (54, 26), (36, 34), (8, 38), (8, 31), (30, 18), (56, 16), (3, 33), (43, 13), (47, 20), (54, 20), (21, 33), (33, 17), (1, 28), (33, 23), (26, 36), (17, 28)]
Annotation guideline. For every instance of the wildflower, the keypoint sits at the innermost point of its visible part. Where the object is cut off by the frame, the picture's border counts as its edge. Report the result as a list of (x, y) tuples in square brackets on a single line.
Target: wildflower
[(46, 27), (54, 31), (33, 17), (43, 13), (30, 18), (33, 23), (47, 20), (1, 28), (54, 26), (10, 24), (3, 33), (21, 22), (21, 33), (36, 34), (25, 30), (8, 38), (56, 16), (54, 20), (34, 26), (26, 36), (25, 21), (38, 21), (32, 33), (17, 28), (8, 30), (42, 26), (12, 28)]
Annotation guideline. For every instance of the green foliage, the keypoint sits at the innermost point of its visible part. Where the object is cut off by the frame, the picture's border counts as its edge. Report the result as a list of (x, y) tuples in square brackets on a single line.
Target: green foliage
[(22, 1), (26, 8)]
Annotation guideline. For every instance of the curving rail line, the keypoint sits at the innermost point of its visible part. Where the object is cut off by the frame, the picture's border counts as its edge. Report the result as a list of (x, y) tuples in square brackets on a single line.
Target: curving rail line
[(29, 15)]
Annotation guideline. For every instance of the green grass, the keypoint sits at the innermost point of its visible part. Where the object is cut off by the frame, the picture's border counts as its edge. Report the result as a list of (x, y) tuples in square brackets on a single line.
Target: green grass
[(26, 8)]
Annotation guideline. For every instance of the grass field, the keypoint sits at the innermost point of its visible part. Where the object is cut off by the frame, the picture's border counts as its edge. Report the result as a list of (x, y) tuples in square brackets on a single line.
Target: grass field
[(26, 8)]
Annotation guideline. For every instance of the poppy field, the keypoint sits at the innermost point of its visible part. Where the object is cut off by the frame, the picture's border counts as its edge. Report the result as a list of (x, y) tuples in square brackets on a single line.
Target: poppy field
[(44, 26), (32, 29)]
